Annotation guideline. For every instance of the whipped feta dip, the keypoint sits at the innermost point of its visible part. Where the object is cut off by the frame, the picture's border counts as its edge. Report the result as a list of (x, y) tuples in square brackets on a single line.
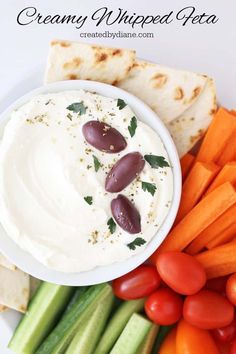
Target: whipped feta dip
[(53, 201)]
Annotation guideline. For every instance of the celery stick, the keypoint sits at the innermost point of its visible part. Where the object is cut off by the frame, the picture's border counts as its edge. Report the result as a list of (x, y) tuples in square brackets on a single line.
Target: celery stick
[(89, 332), (132, 336), (60, 338), (117, 323), (147, 344), (44, 309)]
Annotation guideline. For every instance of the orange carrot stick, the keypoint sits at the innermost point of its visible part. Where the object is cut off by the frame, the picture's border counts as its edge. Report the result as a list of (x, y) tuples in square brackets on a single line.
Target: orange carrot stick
[(222, 127), (195, 185), (224, 237), (186, 163), (213, 231), (227, 174), (233, 111), (229, 153), (219, 261), (198, 219)]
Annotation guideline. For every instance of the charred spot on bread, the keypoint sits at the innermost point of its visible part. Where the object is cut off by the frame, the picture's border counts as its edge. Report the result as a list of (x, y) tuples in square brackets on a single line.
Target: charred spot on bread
[(73, 64), (159, 80), (117, 52), (179, 94), (61, 43), (72, 77)]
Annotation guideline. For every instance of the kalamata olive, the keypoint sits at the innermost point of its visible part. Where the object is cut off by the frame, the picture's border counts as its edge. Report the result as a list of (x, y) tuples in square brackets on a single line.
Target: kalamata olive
[(125, 214), (124, 172), (103, 137)]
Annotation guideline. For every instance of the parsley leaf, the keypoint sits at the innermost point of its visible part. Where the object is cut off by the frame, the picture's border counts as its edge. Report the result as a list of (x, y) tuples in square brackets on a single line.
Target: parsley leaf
[(149, 187), (132, 127), (77, 107), (156, 161), (97, 163), (121, 103), (111, 225), (89, 200), (139, 241)]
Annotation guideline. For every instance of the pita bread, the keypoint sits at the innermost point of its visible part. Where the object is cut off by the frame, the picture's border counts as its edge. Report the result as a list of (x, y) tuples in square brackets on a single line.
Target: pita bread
[(185, 101), (189, 127), (5, 263), (169, 92), (72, 60), (14, 289)]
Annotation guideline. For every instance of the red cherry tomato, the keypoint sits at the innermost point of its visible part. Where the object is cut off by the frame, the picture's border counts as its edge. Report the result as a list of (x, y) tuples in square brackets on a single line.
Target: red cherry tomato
[(225, 334), (231, 288), (164, 307), (182, 272), (136, 284), (208, 310), (217, 284), (233, 347)]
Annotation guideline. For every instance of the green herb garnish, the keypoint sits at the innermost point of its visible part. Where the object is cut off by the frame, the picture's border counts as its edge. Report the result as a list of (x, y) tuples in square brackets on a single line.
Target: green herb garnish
[(69, 116), (156, 161), (96, 163), (89, 200), (121, 103), (132, 127), (77, 107), (149, 187), (111, 225), (139, 241)]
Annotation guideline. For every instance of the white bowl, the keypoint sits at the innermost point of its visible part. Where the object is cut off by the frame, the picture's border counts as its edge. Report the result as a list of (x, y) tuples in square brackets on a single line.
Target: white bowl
[(27, 263)]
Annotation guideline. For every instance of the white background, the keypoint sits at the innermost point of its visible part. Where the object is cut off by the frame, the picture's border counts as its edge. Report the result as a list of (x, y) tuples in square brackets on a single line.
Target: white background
[(209, 49)]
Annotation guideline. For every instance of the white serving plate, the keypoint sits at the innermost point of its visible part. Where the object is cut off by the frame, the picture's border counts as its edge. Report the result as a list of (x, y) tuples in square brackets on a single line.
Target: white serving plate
[(29, 264)]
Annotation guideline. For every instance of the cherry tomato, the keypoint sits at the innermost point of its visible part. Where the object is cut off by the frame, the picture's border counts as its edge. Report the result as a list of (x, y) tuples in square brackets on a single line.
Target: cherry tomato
[(138, 283), (164, 307), (182, 272), (217, 284), (233, 347), (231, 288), (193, 340), (225, 334), (208, 310)]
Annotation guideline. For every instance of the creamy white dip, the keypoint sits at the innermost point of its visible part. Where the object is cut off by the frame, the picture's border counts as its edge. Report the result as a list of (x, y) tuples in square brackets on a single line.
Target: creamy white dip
[(47, 169)]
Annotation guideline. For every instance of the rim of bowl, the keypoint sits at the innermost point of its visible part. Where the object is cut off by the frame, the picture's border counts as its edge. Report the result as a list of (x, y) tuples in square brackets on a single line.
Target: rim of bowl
[(23, 260)]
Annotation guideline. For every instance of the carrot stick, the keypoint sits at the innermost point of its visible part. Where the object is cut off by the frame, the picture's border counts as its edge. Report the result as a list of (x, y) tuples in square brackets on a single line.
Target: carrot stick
[(229, 153), (186, 163), (198, 219), (222, 127), (194, 186), (233, 111), (227, 174), (213, 231), (219, 261), (225, 236)]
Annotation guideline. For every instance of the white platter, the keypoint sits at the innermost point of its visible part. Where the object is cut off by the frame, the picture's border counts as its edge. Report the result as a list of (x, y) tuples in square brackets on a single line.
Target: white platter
[(27, 263)]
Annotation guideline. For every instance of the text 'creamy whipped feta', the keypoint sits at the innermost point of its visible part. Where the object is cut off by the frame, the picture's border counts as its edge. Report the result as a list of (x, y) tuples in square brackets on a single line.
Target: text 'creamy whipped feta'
[(53, 201)]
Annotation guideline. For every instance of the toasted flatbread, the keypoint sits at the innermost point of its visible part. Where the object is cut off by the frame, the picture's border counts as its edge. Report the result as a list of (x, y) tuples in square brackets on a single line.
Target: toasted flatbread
[(72, 60), (169, 92), (184, 101), (5, 263), (14, 289), (189, 127)]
